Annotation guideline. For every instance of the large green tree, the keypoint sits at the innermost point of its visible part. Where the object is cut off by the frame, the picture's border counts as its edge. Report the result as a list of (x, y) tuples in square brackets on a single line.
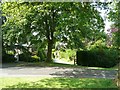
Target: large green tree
[(73, 23), (114, 16)]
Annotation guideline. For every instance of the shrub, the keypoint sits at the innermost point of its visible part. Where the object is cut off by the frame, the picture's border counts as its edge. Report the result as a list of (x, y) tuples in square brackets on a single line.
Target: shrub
[(42, 55), (24, 57), (28, 58), (68, 54), (7, 58), (35, 58), (98, 58)]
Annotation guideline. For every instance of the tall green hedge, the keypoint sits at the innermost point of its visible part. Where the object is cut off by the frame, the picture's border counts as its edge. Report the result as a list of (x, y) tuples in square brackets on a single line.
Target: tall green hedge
[(98, 58)]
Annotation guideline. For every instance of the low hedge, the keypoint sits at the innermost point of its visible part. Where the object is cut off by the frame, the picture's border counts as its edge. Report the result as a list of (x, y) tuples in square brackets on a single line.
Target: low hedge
[(98, 58), (7, 58)]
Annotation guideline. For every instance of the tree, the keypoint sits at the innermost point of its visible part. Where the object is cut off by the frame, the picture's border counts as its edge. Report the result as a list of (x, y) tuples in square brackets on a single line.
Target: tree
[(73, 23), (114, 16)]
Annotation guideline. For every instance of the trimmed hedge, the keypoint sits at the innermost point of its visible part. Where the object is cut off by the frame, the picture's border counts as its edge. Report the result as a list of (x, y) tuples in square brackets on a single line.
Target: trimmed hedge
[(98, 58)]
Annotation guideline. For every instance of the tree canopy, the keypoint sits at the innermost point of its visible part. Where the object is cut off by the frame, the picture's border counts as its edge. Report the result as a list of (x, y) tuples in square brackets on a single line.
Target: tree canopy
[(44, 23), (114, 16)]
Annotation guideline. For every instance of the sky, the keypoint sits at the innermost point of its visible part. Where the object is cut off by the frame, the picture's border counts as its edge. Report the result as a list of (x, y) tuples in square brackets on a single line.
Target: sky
[(106, 21)]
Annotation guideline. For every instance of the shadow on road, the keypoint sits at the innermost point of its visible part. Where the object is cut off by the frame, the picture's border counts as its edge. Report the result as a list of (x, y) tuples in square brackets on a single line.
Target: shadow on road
[(86, 73), (31, 69)]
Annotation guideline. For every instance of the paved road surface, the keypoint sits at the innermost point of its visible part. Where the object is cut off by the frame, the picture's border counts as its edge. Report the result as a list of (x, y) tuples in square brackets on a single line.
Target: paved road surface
[(12, 70), (56, 72)]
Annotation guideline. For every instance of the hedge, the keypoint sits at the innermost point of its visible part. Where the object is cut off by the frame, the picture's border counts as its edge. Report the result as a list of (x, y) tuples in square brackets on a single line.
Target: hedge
[(98, 58)]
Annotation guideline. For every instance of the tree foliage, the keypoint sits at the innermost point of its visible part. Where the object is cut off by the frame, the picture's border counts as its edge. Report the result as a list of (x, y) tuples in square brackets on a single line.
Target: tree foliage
[(44, 23), (114, 16)]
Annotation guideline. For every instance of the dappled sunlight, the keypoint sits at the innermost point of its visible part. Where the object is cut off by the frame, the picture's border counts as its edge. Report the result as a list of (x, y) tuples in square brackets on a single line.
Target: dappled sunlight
[(68, 43), (65, 83), (57, 70), (86, 73)]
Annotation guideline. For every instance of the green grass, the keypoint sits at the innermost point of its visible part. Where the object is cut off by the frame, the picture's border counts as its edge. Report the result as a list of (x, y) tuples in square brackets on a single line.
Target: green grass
[(37, 82), (43, 64)]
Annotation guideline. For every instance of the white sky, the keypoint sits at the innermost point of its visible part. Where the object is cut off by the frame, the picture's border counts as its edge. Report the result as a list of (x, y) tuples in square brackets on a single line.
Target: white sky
[(107, 23)]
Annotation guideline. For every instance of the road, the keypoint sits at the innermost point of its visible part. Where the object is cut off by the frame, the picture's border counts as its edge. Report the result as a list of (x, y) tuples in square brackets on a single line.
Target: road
[(56, 72)]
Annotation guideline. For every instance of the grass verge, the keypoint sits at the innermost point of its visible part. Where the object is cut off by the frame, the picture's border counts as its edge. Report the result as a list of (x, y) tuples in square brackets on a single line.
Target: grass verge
[(44, 64), (38, 82)]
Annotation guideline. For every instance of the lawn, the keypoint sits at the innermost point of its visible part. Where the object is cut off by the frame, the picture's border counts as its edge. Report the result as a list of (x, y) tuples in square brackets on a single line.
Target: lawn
[(43, 64), (44, 82)]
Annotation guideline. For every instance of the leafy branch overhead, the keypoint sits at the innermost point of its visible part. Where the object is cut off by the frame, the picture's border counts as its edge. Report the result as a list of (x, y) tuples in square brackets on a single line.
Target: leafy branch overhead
[(44, 23)]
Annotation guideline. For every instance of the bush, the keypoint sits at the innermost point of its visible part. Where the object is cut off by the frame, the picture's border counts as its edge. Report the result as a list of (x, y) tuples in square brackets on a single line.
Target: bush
[(42, 55), (7, 58), (68, 54), (28, 58), (98, 58), (35, 58)]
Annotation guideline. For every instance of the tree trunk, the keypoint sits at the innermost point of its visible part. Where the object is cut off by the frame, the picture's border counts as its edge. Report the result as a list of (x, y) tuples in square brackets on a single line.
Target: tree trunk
[(49, 52), (49, 34)]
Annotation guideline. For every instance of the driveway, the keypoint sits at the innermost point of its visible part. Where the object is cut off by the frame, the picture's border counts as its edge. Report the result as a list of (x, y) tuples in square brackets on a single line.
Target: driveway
[(16, 71)]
